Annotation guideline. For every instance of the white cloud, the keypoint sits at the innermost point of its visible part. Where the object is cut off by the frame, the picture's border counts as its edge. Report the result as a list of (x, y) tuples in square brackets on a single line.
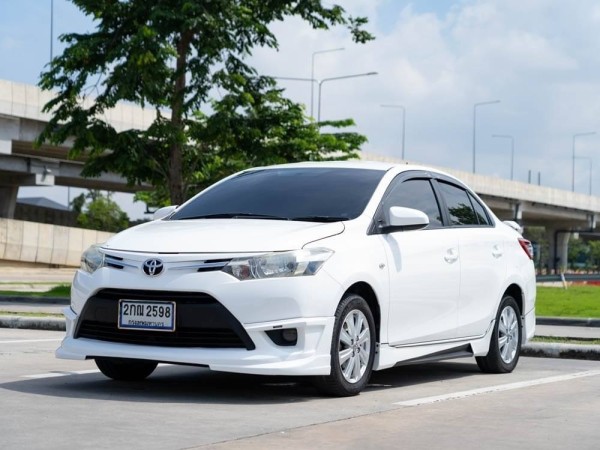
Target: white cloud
[(539, 57)]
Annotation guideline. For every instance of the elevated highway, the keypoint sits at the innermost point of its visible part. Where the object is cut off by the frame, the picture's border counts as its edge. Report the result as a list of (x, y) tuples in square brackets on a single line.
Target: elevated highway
[(21, 120)]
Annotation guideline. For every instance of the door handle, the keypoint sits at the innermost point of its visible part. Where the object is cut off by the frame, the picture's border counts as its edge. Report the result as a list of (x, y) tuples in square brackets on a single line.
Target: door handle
[(451, 256), (497, 251)]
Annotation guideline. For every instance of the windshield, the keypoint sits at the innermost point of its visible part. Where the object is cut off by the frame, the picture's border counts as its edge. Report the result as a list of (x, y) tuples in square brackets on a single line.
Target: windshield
[(311, 194)]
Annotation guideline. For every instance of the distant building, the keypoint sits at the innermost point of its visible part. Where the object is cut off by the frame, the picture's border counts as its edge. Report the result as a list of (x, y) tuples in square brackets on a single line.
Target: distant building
[(43, 210)]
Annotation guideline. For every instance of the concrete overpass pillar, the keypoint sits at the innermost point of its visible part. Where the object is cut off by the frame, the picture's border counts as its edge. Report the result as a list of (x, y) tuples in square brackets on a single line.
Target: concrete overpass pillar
[(8, 201), (518, 213), (559, 248)]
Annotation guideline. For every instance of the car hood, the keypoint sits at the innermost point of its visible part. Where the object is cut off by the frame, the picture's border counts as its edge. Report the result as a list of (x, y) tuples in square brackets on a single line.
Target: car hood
[(221, 236)]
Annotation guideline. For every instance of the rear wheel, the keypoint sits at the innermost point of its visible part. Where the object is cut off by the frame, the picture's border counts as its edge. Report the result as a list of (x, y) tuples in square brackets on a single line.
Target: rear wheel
[(352, 349), (125, 369), (505, 345)]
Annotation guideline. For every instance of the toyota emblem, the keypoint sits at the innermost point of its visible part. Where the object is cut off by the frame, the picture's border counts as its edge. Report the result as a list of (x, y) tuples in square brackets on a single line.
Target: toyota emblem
[(153, 267)]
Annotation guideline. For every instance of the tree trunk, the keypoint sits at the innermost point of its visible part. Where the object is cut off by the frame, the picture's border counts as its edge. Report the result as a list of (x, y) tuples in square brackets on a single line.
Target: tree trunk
[(176, 190)]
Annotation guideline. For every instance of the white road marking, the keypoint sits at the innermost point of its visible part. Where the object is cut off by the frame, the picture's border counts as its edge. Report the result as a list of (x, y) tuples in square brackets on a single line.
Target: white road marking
[(497, 388), (23, 341), (45, 375), (60, 374)]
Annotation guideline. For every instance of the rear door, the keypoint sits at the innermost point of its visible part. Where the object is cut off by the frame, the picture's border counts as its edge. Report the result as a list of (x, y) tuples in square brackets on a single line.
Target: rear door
[(483, 264)]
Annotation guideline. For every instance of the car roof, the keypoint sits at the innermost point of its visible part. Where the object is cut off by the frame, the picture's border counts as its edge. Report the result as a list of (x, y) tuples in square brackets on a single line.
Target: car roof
[(355, 164)]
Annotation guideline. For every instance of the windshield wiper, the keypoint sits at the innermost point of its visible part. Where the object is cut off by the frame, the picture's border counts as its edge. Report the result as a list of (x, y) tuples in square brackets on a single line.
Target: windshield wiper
[(319, 218), (238, 215)]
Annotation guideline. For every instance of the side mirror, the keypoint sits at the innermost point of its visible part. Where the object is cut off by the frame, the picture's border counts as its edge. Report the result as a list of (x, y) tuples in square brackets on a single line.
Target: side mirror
[(404, 219), (163, 212)]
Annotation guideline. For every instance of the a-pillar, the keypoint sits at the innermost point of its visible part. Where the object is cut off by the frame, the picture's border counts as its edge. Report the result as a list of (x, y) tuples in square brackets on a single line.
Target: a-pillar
[(559, 248), (8, 201)]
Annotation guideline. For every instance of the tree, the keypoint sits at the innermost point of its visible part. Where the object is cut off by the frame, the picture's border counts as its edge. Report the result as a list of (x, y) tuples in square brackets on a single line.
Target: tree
[(101, 213), (595, 253), (578, 253), (249, 130), (167, 55)]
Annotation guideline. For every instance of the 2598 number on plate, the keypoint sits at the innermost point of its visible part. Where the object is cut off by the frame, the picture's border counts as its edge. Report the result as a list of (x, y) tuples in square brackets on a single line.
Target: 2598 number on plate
[(146, 315)]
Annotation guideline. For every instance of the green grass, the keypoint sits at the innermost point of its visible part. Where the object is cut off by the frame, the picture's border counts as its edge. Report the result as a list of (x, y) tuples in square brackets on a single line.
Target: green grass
[(564, 340), (62, 290), (577, 301), (29, 314)]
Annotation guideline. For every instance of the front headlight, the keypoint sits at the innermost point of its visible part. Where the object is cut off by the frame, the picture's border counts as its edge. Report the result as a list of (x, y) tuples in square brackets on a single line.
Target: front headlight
[(277, 265), (92, 259)]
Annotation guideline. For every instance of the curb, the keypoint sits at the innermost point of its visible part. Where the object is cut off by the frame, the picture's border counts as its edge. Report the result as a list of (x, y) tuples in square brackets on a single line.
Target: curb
[(567, 321), (37, 300), (556, 350), (33, 323)]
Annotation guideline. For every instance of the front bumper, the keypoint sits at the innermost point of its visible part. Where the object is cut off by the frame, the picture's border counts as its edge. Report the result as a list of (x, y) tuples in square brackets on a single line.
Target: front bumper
[(310, 356), (305, 303)]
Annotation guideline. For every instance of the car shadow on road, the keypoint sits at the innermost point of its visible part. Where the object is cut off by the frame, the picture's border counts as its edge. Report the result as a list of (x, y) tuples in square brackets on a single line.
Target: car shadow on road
[(180, 384)]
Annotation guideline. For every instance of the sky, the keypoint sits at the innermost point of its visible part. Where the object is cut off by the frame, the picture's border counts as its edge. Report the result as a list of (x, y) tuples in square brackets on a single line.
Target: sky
[(437, 59)]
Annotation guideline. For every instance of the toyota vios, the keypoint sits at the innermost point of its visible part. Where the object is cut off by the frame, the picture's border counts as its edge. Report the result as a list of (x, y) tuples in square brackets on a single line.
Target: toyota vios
[(328, 270)]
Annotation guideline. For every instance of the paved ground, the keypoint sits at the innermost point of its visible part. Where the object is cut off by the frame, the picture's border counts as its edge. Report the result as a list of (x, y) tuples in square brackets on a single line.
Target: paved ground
[(28, 275), (49, 403)]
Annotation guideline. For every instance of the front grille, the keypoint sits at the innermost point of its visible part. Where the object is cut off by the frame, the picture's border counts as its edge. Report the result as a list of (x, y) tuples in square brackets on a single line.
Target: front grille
[(201, 321)]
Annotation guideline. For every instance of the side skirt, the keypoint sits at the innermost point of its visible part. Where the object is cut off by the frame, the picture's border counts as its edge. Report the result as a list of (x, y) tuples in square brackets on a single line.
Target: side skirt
[(388, 356), (462, 351)]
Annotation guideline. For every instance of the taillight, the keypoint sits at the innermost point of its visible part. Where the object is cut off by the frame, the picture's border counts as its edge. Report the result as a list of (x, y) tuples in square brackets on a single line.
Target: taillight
[(527, 247)]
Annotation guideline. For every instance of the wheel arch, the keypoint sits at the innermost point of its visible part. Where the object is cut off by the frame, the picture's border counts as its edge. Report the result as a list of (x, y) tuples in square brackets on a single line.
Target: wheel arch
[(515, 291), (368, 293)]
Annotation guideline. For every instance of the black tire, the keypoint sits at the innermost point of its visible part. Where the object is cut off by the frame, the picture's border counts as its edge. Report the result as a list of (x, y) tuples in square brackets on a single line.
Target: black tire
[(503, 357), (125, 369), (353, 308)]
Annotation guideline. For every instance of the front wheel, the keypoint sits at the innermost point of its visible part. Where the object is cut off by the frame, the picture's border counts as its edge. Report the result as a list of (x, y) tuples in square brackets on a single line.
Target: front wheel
[(505, 345), (125, 369), (352, 349)]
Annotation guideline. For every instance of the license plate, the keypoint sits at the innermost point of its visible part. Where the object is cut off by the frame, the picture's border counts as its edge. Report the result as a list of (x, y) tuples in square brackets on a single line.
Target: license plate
[(146, 315)]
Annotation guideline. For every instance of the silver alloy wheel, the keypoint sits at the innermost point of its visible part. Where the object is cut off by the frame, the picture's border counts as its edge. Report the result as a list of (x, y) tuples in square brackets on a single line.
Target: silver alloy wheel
[(354, 346), (508, 334)]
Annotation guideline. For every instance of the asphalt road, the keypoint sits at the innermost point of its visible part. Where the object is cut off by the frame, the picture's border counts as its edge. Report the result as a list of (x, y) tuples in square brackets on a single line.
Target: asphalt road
[(49, 403)]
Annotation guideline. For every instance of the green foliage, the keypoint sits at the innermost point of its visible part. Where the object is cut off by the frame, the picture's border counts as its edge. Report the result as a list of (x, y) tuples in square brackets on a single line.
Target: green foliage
[(61, 290), (584, 254), (78, 203), (578, 252), (103, 214), (253, 127), (577, 301), (168, 55), (594, 253)]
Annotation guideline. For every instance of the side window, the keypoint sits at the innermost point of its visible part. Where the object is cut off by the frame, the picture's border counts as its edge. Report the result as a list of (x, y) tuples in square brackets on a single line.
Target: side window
[(482, 217), (459, 205), (416, 194)]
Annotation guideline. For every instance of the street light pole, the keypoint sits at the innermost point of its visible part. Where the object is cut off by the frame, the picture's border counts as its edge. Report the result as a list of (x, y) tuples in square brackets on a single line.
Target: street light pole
[(312, 73), (51, 29), (403, 123), (589, 133), (475, 106), (512, 152), (324, 80)]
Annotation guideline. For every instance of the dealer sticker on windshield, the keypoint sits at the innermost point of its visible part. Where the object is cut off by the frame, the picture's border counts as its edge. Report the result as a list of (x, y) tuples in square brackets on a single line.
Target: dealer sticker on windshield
[(146, 315)]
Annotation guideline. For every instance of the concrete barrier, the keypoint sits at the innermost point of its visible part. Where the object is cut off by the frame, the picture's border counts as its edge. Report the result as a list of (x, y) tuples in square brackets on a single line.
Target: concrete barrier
[(40, 243)]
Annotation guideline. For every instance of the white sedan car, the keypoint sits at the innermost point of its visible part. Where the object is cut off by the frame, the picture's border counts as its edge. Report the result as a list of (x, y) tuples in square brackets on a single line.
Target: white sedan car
[(329, 270)]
